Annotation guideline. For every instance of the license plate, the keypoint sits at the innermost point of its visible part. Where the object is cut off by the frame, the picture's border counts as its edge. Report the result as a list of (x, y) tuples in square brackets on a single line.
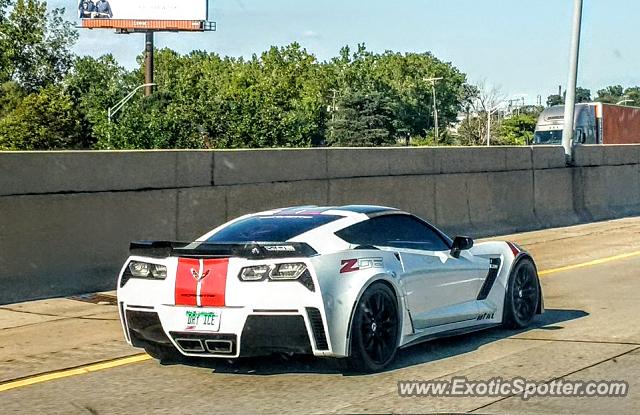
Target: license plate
[(202, 320)]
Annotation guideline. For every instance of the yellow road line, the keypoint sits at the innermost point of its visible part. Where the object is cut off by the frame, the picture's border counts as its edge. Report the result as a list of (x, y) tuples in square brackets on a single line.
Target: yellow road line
[(590, 263), (65, 373)]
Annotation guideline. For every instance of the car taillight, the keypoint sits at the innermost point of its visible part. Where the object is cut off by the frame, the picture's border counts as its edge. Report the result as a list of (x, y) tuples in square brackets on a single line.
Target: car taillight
[(255, 273), (145, 270), (277, 272), (288, 271)]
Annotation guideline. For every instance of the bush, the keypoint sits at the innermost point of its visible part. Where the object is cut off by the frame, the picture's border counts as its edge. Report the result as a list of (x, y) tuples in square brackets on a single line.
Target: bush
[(42, 121)]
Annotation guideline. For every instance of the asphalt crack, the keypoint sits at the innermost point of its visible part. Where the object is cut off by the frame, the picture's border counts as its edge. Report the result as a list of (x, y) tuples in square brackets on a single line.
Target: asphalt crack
[(560, 377)]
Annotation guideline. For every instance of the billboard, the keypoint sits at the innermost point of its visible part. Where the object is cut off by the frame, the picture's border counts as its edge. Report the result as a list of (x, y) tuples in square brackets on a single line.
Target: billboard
[(143, 14)]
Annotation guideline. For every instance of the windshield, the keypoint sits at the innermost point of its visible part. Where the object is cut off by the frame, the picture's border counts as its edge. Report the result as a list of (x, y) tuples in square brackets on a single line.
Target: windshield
[(269, 228), (548, 137)]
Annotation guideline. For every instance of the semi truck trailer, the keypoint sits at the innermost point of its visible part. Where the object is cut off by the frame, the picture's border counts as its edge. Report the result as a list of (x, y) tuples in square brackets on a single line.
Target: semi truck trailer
[(595, 123)]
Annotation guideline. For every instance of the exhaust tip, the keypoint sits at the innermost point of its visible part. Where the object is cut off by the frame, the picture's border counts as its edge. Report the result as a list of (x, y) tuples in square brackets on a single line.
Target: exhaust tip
[(190, 345), (219, 346)]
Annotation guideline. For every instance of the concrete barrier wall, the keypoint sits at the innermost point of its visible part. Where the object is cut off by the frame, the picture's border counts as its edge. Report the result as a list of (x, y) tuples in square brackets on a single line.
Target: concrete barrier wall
[(66, 218)]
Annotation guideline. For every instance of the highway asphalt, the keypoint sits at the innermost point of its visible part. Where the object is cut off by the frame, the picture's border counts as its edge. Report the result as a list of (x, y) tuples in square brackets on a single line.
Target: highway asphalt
[(591, 331)]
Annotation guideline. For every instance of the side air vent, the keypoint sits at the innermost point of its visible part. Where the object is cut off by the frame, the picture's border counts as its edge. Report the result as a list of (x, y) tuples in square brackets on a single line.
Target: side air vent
[(306, 280), (494, 267), (144, 327), (317, 326)]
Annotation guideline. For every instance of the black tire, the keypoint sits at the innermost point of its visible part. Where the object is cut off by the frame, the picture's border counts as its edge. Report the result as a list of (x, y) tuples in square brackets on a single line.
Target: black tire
[(375, 330), (523, 295), (163, 353)]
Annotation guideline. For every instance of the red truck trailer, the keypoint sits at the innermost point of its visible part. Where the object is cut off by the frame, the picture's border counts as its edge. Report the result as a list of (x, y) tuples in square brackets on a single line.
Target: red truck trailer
[(618, 125)]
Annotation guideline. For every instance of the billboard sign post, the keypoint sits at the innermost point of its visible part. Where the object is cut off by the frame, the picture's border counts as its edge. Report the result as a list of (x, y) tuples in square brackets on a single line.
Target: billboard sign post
[(146, 16), (148, 64)]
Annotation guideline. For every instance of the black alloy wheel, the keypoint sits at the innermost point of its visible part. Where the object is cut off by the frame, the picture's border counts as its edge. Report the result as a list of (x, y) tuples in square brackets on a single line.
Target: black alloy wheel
[(523, 295), (375, 330)]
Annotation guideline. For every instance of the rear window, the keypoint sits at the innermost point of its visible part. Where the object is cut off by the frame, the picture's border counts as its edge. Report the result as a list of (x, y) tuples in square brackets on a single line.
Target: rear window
[(270, 228)]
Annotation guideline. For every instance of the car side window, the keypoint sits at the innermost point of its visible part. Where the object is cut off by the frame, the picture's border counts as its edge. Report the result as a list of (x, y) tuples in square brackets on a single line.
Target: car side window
[(396, 231)]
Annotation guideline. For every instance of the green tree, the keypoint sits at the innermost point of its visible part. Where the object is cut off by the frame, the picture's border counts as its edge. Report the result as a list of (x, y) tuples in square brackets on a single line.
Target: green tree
[(36, 45), (283, 103), (4, 41), (611, 94), (633, 93), (283, 97), (403, 79), (472, 131), (362, 119), (42, 121), (554, 99), (582, 95), (153, 123), (517, 129), (94, 85), (276, 99), (10, 97)]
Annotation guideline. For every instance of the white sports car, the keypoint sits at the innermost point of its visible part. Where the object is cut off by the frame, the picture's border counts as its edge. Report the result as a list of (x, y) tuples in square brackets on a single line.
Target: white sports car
[(353, 282)]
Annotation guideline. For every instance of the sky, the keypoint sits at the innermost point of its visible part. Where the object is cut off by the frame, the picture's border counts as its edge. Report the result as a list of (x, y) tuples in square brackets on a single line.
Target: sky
[(519, 46)]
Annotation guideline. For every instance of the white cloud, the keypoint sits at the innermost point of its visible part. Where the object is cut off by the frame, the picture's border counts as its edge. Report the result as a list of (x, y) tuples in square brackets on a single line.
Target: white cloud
[(310, 34)]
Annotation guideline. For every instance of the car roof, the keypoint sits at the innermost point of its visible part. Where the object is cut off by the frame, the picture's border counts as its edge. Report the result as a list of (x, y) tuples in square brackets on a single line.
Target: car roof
[(347, 210)]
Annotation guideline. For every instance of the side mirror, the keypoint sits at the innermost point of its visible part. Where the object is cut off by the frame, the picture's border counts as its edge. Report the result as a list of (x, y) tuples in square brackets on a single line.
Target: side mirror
[(461, 243)]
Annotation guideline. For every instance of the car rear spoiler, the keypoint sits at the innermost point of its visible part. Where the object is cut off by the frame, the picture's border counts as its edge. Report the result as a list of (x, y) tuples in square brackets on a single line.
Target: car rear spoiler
[(253, 250)]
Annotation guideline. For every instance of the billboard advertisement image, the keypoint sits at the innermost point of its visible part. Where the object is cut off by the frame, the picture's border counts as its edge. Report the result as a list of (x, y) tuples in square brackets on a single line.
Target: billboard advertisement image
[(143, 14)]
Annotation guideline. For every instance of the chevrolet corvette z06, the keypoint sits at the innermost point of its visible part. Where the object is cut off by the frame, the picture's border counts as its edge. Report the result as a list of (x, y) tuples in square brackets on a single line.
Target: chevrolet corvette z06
[(350, 282)]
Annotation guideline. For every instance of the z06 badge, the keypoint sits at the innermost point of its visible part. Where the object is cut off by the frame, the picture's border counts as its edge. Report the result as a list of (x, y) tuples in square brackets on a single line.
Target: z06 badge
[(352, 265)]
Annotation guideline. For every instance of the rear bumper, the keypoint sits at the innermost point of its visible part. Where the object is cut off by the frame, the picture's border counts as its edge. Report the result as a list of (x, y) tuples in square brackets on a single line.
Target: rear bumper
[(242, 332)]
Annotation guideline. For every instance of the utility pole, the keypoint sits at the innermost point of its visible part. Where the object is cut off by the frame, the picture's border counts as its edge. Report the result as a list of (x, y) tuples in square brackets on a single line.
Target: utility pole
[(333, 111), (435, 106), (570, 101), (148, 64)]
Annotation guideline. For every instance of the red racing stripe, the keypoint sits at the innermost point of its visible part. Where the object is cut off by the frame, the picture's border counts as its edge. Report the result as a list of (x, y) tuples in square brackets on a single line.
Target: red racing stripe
[(214, 284), (186, 283)]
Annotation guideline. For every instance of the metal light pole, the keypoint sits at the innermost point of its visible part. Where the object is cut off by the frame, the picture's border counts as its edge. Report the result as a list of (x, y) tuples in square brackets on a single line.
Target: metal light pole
[(435, 106), (116, 108), (570, 101), (491, 111), (624, 101)]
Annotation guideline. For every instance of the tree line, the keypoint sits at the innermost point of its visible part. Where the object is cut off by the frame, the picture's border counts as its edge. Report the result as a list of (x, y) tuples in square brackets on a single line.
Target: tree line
[(283, 97), (613, 94)]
